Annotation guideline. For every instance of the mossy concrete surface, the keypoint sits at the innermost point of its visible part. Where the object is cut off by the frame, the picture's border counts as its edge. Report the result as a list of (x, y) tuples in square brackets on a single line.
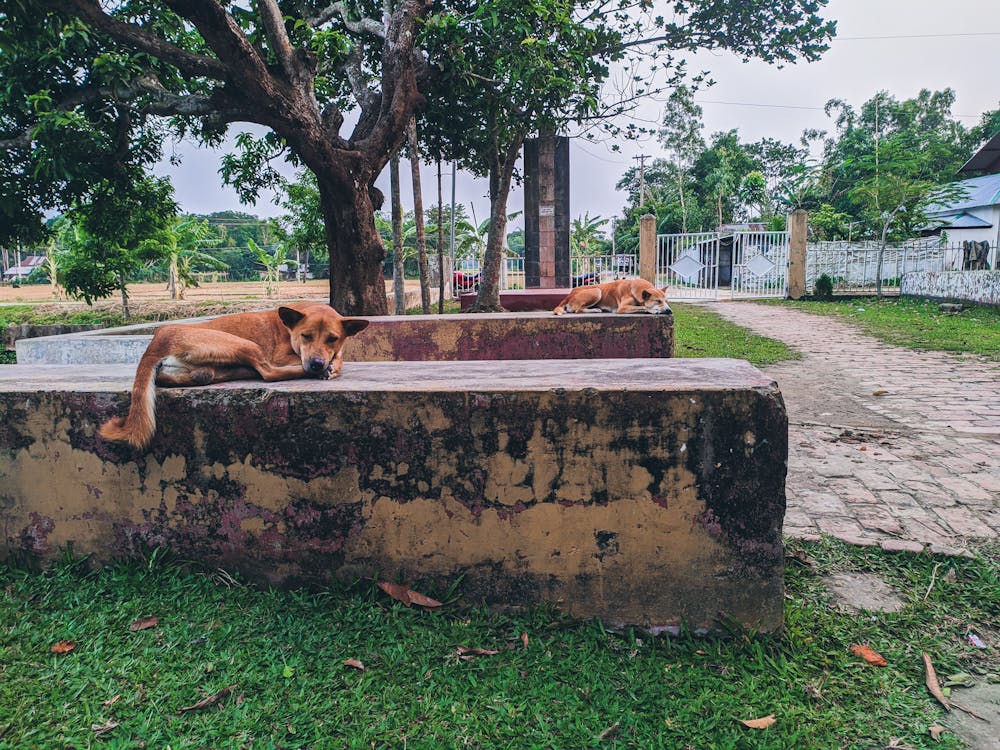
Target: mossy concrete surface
[(645, 492)]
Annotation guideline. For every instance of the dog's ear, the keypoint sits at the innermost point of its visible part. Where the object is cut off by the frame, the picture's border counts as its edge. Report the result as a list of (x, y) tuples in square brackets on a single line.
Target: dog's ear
[(353, 325), (289, 316), (646, 294)]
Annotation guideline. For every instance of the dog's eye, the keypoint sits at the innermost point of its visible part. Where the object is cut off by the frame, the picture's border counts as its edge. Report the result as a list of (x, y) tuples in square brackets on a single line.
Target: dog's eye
[(331, 340), (307, 337)]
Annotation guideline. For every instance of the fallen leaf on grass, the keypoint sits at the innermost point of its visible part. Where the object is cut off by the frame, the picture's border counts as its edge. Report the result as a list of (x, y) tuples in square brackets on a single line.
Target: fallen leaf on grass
[(524, 640), (931, 681), (960, 679), (936, 731), (210, 700), (144, 623), (610, 731), (870, 656), (354, 663), (99, 729), (762, 723), (468, 653), (112, 701), (63, 647), (407, 596)]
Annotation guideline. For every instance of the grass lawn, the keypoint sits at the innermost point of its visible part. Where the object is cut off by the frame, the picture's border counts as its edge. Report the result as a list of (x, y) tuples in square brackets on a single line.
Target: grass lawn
[(701, 333), (917, 323), (574, 685)]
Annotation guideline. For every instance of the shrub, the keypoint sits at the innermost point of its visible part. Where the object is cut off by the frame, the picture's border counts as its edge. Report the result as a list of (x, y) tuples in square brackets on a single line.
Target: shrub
[(823, 288)]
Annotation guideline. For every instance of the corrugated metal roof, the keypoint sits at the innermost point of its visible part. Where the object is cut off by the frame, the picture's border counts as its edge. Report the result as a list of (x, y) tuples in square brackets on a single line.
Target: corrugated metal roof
[(979, 191), (967, 221), (986, 159)]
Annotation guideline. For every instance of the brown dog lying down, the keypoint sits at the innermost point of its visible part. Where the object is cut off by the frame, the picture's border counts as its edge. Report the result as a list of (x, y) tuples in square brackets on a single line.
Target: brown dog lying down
[(296, 341), (624, 296)]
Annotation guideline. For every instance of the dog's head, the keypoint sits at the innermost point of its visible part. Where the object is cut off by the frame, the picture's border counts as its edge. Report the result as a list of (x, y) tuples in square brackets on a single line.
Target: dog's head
[(655, 301), (318, 334)]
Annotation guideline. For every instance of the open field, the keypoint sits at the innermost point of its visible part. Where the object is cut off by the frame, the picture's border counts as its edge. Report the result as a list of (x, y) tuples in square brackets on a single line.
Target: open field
[(220, 291)]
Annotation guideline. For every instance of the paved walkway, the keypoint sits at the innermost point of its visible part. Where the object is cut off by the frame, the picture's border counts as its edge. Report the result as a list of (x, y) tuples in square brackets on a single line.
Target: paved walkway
[(887, 446)]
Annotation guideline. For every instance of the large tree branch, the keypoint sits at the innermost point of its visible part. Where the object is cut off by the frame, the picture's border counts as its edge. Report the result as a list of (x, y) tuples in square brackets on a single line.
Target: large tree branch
[(188, 63), (357, 26), (277, 37)]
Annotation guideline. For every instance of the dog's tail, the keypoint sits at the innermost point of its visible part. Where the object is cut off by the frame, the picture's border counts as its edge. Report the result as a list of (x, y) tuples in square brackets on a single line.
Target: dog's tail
[(138, 427)]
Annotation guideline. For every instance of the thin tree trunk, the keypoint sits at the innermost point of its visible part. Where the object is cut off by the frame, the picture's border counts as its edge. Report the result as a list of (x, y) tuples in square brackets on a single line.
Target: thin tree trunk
[(172, 276), (440, 244), (418, 219), (488, 298), (121, 285), (684, 211), (398, 281)]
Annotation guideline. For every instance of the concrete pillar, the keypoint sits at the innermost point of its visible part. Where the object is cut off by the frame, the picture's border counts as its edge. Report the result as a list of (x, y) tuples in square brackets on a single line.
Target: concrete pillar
[(647, 248), (546, 211), (798, 227)]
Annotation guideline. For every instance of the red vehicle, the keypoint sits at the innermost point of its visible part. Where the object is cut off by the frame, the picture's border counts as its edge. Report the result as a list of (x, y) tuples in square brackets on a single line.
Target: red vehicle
[(466, 282)]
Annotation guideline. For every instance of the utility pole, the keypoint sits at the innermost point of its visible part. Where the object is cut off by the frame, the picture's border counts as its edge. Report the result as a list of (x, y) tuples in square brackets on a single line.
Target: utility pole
[(641, 158)]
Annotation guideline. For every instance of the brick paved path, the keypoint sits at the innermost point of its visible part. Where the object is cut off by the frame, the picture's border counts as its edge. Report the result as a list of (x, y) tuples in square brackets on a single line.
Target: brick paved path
[(887, 445)]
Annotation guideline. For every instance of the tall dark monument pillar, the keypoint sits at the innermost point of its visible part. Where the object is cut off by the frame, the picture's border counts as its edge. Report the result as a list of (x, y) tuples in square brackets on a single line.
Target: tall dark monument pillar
[(546, 212)]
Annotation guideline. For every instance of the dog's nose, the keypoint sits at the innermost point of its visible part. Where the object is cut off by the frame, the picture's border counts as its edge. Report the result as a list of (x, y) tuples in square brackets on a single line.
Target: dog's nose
[(317, 365)]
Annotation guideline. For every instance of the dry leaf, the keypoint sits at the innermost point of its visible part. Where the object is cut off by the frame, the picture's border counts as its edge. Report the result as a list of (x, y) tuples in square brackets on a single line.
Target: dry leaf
[(936, 731), (63, 647), (524, 640), (869, 656), (210, 700), (407, 596), (464, 651), (610, 731), (762, 723), (354, 663), (931, 681), (99, 729), (144, 623), (112, 701), (879, 393)]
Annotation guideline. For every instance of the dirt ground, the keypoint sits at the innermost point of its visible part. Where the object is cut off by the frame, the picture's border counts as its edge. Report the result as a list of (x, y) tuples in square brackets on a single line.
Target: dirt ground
[(207, 299)]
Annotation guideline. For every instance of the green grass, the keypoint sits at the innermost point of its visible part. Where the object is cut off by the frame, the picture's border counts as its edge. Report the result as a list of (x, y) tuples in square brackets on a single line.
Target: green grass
[(702, 333), (284, 652), (917, 323)]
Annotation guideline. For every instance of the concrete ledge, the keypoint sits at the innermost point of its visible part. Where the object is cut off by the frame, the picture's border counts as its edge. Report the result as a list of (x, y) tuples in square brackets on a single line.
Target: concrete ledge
[(416, 338), (645, 492), (522, 300)]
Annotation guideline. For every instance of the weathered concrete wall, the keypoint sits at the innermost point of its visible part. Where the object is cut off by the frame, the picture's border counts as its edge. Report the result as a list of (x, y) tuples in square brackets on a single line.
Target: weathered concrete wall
[(639, 491), (17, 331), (418, 338), (974, 286)]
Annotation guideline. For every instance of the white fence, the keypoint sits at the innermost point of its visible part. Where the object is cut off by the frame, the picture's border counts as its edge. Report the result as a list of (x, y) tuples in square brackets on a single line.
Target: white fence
[(854, 266), (584, 270)]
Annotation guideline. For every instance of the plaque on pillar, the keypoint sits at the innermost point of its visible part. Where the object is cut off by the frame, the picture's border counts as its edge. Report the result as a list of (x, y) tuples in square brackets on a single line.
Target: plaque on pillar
[(546, 212)]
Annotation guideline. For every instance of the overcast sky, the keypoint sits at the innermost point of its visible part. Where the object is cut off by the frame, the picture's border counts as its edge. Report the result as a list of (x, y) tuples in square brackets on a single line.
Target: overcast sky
[(899, 46)]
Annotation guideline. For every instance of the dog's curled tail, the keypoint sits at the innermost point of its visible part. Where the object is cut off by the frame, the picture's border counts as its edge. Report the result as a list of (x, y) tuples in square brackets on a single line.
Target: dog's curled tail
[(138, 427)]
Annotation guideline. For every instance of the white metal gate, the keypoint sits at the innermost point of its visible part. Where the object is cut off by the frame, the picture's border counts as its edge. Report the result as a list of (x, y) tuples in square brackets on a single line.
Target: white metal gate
[(721, 265)]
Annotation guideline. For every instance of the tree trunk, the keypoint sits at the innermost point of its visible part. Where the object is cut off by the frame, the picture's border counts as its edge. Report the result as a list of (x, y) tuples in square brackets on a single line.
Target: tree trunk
[(357, 286), (172, 276), (418, 220), (488, 298), (881, 258), (121, 285), (680, 191), (440, 244), (398, 279)]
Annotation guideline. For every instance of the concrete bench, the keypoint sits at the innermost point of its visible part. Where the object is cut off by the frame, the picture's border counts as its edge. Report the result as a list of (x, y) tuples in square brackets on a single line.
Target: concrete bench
[(416, 338), (644, 492)]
